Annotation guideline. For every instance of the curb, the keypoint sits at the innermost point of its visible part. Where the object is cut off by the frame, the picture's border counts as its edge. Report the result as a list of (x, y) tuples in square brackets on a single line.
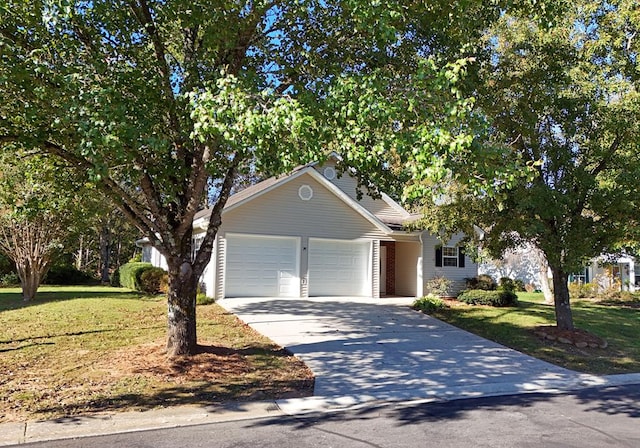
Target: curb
[(118, 423)]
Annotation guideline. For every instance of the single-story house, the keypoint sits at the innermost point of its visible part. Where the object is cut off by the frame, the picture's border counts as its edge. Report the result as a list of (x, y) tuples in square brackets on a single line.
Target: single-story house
[(609, 272), (307, 234)]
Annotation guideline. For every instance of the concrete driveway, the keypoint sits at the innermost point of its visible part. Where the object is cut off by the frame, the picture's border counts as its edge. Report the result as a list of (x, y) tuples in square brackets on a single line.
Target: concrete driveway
[(379, 349)]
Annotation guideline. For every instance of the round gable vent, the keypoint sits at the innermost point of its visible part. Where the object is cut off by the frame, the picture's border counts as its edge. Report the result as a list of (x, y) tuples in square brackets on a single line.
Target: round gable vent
[(305, 192), (330, 173)]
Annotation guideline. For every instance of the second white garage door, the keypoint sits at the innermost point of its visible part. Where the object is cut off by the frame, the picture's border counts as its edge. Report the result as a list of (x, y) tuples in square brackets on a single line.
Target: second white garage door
[(339, 268), (262, 266)]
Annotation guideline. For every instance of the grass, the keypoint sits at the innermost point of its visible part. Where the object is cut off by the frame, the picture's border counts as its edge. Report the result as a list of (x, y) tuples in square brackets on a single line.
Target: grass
[(93, 349), (618, 322)]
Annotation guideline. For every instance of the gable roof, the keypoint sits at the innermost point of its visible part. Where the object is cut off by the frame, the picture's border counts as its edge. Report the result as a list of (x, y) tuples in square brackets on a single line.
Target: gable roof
[(387, 224), (255, 191)]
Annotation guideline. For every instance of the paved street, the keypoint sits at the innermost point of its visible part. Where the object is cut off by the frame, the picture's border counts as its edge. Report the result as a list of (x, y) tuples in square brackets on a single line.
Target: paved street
[(590, 418)]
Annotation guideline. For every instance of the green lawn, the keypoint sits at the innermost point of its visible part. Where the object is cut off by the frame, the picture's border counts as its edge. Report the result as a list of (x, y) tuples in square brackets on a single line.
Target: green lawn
[(91, 349), (618, 322)]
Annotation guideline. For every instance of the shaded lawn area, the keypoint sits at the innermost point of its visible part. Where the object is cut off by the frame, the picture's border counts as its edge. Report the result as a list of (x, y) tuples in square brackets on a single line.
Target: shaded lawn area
[(618, 322), (94, 349)]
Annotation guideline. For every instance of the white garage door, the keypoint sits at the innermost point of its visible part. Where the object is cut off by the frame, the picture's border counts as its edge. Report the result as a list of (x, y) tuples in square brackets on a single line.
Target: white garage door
[(261, 266), (339, 268)]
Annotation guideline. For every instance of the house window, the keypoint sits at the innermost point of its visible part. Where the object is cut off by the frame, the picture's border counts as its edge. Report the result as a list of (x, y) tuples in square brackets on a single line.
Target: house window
[(581, 277), (450, 256)]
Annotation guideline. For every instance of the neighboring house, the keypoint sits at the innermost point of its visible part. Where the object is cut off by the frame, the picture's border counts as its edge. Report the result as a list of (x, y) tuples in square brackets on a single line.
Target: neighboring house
[(523, 263), (605, 271), (306, 234)]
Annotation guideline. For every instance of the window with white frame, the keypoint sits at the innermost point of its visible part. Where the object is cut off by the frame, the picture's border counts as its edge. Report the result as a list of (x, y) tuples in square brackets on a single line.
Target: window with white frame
[(450, 256), (581, 277)]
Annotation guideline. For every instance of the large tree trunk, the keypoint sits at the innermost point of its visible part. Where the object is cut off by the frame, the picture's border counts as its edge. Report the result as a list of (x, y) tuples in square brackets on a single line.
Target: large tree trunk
[(105, 252), (181, 302), (564, 318), (31, 273)]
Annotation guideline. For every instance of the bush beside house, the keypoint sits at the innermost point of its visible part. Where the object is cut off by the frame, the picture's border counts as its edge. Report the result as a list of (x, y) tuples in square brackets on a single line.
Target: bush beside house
[(491, 298), (144, 277), (429, 304)]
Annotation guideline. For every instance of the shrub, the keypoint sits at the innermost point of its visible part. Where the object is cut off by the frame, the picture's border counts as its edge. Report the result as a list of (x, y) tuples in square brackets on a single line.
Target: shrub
[(519, 284), (67, 275), (115, 278), (437, 286), (154, 280), (10, 279), (491, 298), (202, 299), (506, 284), (482, 281), (583, 290), (130, 274), (429, 304)]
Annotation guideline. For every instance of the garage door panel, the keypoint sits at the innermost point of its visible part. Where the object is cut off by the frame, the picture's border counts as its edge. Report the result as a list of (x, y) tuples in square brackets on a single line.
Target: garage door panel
[(261, 266), (339, 268)]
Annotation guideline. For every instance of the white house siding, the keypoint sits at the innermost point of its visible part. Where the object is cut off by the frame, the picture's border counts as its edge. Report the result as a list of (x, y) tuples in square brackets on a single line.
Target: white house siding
[(208, 279), (158, 260), (456, 274), (281, 212), (619, 274), (375, 271), (382, 209)]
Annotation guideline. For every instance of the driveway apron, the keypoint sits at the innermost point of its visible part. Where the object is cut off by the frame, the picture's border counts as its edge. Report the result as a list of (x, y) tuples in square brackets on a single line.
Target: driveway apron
[(380, 349)]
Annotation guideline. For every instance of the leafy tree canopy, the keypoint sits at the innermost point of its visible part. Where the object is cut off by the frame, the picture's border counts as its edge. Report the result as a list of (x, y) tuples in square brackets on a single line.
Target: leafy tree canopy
[(564, 101), (154, 101)]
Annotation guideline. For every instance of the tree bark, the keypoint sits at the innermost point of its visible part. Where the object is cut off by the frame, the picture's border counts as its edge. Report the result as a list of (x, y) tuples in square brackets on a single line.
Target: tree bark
[(105, 252), (181, 303), (31, 273), (564, 317)]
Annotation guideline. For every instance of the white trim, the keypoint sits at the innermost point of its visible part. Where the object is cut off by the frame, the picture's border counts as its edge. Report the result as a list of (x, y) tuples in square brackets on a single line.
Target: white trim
[(329, 172), (386, 198), (456, 257), (305, 192)]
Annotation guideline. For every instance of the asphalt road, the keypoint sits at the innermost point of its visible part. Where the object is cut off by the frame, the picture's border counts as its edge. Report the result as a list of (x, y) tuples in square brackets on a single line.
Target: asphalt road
[(599, 418)]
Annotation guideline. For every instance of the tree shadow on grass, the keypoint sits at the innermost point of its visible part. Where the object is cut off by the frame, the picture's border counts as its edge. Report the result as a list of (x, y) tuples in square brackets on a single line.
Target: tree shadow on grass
[(69, 334), (11, 299), (21, 347)]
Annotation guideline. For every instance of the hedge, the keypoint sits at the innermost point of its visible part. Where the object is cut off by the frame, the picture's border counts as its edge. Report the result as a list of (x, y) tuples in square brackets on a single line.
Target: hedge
[(154, 281), (130, 274), (491, 298), (68, 275)]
